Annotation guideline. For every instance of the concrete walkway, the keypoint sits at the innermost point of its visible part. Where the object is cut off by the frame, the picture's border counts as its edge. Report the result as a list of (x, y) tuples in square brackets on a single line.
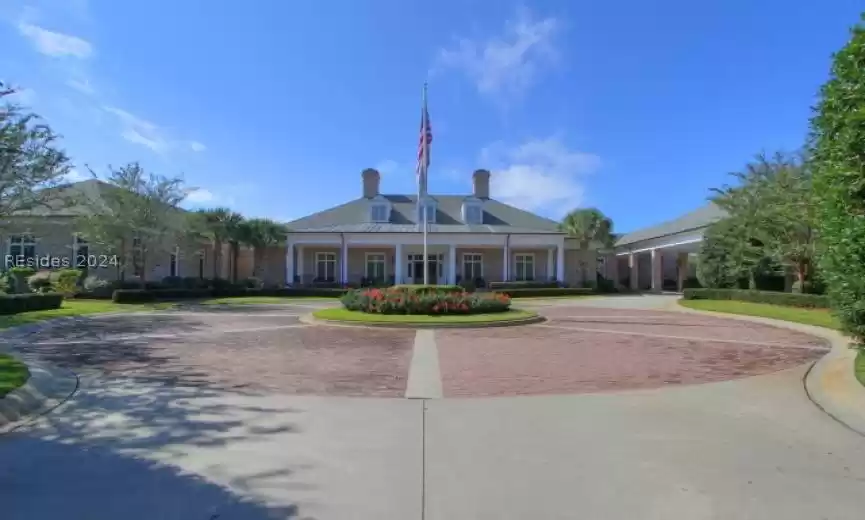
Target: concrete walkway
[(755, 448)]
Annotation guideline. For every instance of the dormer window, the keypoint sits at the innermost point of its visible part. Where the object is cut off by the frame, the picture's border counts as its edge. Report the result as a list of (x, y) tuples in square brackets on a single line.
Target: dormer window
[(430, 212), (473, 212), (379, 213)]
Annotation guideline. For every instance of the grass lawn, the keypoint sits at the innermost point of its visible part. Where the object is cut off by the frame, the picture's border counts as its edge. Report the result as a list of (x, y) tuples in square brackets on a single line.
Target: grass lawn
[(13, 374), (78, 308), (818, 317), (250, 300), (341, 314)]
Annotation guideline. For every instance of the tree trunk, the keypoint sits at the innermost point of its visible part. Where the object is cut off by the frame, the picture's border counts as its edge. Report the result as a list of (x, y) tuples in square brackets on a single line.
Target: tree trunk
[(121, 264), (801, 271)]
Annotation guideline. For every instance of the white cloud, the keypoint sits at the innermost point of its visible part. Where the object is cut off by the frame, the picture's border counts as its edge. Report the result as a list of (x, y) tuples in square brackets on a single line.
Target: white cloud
[(539, 175), (140, 131), (387, 167), (81, 85), (507, 64), (55, 44), (201, 196), (195, 146), (76, 175)]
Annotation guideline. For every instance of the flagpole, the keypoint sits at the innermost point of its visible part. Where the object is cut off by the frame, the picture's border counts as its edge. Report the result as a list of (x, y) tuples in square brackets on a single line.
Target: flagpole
[(423, 188)]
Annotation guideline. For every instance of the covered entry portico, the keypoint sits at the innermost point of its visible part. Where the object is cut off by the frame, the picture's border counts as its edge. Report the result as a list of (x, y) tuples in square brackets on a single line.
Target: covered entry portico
[(398, 257)]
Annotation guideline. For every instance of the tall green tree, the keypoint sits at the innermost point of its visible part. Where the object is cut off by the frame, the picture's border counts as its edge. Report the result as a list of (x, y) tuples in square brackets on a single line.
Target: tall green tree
[(260, 234), (136, 215), (30, 160), (218, 225), (838, 160), (589, 226)]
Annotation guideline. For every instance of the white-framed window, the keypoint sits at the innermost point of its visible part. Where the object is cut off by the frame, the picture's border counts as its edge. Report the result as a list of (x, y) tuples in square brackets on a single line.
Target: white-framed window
[(524, 267), (375, 266), (379, 213), (137, 257), (432, 259), (473, 214), (473, 266), (325, 267), (21, 246)]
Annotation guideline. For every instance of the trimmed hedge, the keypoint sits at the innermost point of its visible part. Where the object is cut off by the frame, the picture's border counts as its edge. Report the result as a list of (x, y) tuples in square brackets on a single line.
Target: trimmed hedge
[(149, 295), (503, 286), (403, 300), (816, 301), (15, 303), (431, 288), (546, 291)]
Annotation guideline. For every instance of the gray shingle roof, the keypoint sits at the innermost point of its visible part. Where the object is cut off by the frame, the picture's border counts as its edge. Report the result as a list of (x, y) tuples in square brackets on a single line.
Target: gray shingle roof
[(63, 200), (696, 219), (354, 216)]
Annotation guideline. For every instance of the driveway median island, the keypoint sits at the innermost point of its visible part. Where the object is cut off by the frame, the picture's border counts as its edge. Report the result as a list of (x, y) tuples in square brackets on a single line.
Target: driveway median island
[(426, 306)]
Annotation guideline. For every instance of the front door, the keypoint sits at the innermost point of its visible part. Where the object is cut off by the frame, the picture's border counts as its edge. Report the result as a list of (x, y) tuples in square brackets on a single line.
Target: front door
[(432, 269)]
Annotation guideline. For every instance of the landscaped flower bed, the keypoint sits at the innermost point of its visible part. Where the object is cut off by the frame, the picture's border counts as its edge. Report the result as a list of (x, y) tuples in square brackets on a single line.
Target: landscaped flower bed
[(401, 300)]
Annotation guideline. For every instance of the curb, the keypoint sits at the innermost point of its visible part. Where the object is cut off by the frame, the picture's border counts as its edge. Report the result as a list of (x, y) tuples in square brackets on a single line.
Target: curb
[(830, 382), (47, 388), (312, 320)]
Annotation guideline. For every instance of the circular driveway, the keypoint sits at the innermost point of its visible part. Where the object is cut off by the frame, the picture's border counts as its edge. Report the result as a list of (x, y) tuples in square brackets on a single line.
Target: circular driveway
[(266, 348)]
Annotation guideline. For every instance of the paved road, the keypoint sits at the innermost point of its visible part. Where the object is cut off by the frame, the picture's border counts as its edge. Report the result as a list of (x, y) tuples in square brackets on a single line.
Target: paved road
[(137, 448)]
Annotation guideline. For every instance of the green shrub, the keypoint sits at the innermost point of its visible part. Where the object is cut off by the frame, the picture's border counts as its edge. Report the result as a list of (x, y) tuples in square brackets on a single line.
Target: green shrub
[(775, 298), (172, 281), (404, 300), (133, 296), (65, 282), (148, 295), (18, 277), (252, 282), (547, 291), (40, 282), (430, 288), (837, 137), (691, 283), (16, 303), (501, 286)]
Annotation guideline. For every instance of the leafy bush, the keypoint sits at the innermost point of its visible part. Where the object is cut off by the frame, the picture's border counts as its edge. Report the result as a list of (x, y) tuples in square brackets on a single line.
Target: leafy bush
[(65, 282), (172, 281), (603, 285), (148, 295), (40, 282), (252, 283), (547, 291), (499, 286), (405, 300), (15, 303), (691, 283), (18, 277), (775, 298)]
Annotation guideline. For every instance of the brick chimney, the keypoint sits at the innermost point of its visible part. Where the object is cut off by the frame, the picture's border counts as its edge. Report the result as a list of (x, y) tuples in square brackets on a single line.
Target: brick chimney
[(481, 184), (371, 180)]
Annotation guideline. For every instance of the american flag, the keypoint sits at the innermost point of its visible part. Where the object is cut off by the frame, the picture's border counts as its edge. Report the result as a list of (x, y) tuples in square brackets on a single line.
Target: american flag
[(423, 148)]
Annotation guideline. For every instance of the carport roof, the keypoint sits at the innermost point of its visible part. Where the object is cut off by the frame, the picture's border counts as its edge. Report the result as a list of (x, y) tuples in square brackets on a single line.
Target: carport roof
[(697, 219)]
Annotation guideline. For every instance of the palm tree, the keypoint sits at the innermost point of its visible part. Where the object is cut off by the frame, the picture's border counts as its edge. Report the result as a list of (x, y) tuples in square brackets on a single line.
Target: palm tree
[(589, 226), (259, 234), (218, 225)]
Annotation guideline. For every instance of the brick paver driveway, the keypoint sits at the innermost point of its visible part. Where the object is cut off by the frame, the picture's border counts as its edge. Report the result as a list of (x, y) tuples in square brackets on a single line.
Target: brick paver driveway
[(266, 348), (263, 349), (587, 349)]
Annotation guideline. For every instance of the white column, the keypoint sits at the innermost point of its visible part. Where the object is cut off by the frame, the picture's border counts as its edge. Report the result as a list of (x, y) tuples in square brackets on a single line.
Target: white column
[(452, 264), (289, 263), (612, 263), (300, 272), (682, 262), (397, 261), (634, 264), (506, 253), (550, 265), (560, 263), (657, 270), (344, 263)]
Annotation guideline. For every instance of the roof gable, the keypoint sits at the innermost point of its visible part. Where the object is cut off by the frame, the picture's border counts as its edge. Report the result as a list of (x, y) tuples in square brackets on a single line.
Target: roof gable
[(699, 218)]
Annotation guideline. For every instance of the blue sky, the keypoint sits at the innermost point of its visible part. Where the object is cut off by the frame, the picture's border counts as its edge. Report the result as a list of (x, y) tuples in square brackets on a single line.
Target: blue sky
[(275, 107)]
